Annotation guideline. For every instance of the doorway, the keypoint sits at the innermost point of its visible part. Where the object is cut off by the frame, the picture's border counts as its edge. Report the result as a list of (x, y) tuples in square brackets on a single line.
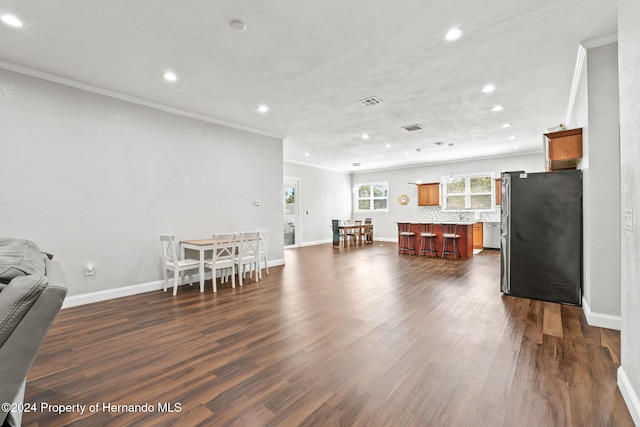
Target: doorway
[(291, 202)]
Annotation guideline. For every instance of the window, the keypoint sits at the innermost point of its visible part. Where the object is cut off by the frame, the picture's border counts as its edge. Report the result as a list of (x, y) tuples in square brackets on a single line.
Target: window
[(474, 192), (372, 197)]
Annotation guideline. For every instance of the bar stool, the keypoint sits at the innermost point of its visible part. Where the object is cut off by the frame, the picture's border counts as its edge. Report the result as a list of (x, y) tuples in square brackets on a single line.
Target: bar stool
[(427, 239), (406, 238), (449, 235)]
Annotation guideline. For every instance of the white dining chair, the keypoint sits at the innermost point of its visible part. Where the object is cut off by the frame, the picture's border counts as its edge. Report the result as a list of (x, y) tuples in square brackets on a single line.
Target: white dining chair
[(223, 258), (248, 255), (173, 263), (263, 242)]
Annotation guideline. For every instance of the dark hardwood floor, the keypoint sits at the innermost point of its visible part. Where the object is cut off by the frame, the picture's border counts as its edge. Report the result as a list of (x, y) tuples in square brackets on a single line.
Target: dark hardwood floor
[(337, 337)]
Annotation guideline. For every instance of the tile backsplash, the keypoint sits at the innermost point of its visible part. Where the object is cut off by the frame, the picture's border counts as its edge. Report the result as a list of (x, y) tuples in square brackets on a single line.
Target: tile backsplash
[(435, 214)]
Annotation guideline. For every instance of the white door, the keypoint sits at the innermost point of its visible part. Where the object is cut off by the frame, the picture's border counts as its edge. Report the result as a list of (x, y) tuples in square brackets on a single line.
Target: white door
[(290, 212)]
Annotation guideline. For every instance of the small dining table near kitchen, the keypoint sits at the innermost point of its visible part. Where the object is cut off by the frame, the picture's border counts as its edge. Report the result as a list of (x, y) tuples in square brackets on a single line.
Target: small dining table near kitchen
[(365, 231)]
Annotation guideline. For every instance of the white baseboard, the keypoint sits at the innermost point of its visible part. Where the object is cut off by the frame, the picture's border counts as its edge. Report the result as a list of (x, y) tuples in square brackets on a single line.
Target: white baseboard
[(386, 239), (629, 395), (107, 294), (316, 242), (600, 320), (322, 242)]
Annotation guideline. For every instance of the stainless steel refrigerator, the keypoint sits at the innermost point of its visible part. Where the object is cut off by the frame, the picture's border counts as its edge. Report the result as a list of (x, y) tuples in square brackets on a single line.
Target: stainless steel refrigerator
[(541, 236)]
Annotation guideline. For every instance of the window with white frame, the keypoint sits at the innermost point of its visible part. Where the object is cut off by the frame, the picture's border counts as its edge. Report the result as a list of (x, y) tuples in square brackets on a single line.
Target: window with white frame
[(372, 197), (472, 192)]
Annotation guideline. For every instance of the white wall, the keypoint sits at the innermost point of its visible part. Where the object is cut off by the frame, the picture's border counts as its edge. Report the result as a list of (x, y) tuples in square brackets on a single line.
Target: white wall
[(325, 195), (596, 111), (629, 64), (384, 223), (95, 179), (602, 194)]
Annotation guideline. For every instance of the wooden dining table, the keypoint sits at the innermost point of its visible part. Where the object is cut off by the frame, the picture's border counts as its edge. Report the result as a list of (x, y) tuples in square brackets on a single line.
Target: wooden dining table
[(346, 227)]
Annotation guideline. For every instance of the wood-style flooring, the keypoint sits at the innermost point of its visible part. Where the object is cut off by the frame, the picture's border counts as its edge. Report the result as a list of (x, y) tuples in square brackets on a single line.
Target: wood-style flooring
[(336, 337)]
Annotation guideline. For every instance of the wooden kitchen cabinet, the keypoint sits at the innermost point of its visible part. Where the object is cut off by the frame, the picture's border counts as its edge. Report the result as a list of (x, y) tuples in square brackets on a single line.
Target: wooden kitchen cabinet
[(563, 149), (478, 237), (429, 194), (498, 190)]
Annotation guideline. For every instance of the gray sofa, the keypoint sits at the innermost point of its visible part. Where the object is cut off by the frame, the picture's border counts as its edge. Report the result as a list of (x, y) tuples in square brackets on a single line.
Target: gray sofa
[(31, 293)]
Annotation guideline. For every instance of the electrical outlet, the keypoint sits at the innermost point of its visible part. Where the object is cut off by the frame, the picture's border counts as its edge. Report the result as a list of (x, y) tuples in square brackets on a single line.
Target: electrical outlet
[(89, 270)]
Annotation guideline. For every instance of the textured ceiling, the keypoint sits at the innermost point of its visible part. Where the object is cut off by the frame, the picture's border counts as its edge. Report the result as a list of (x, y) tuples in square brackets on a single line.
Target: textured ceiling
[(312, 61)]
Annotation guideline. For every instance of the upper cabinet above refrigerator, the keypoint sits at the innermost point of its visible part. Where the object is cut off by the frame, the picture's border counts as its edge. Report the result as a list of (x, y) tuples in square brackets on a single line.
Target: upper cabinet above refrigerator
[(563, 149)]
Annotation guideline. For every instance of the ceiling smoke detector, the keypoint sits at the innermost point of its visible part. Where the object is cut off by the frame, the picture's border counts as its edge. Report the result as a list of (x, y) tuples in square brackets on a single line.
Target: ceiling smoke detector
[(372, 100), (413, 128)]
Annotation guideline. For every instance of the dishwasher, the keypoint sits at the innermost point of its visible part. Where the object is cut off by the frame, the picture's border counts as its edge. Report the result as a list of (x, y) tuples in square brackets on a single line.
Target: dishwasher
[(491, 235)]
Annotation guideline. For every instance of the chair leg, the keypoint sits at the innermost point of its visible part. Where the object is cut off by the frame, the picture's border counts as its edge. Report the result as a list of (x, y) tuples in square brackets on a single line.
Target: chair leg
[(165, 280), (176, 277), (233, 276)]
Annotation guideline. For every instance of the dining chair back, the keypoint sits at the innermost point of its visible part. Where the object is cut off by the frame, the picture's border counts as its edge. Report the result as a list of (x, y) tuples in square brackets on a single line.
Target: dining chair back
[(223, 258), (172, 262), (248, 254), (337, 235)]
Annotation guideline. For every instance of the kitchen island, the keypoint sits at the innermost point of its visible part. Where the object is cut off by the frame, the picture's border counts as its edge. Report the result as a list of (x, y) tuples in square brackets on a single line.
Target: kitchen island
[(465, 231)]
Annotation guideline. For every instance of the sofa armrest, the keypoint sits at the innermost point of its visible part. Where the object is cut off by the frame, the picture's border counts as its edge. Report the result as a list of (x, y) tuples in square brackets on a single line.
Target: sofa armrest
[(55, 275), (15, 301), (20, 346)]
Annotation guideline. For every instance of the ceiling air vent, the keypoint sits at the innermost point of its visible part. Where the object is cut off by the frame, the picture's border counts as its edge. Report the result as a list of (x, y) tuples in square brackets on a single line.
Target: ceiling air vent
[(372, 100), (356, 164), (438, 143), (412, 128)]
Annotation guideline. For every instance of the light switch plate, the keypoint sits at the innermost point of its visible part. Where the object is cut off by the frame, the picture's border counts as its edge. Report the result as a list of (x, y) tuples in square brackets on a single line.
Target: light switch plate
[(628, 219)]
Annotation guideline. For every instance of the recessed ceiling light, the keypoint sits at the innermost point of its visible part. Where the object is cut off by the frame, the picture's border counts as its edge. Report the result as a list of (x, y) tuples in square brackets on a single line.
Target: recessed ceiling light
[(263, 108), (515, 147), (365, 136), (170, 77), (406, 153), (497, 108), (238, 25), (506, 125), (453, 34), (11, 20), (387, 146), (307, 154), (488, 88), (512, 137)]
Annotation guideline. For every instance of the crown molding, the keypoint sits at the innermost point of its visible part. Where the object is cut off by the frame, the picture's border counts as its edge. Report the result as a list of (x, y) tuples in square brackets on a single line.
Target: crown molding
[(20, 69), (600, 41), (577, 72)]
